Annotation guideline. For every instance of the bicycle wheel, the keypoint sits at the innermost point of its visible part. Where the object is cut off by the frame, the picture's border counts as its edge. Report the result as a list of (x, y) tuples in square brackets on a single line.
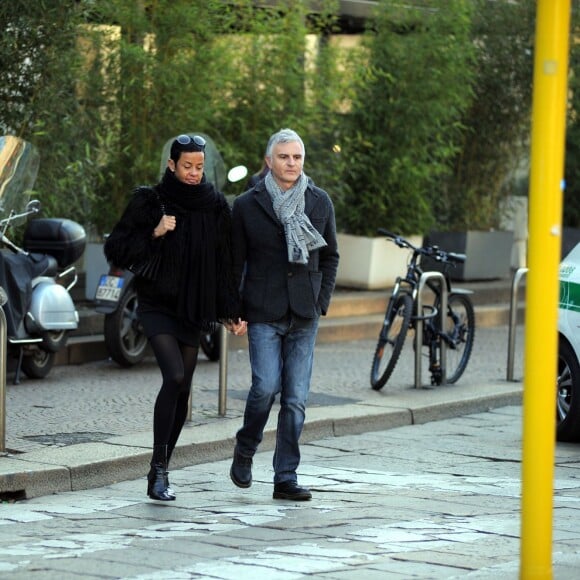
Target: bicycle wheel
[(460, 331), (391, 339)]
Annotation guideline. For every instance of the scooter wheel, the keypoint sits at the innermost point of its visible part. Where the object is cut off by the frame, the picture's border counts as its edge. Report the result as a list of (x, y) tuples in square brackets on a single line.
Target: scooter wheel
[(54, 340), (124, 336), (38, 363)]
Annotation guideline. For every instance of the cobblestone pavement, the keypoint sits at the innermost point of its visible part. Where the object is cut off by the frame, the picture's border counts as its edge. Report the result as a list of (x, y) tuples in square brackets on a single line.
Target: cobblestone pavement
[(435, 501), (94, 401)]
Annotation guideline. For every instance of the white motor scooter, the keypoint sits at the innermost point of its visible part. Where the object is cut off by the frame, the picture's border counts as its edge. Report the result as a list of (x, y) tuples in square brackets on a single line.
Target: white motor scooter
[(37, 277)]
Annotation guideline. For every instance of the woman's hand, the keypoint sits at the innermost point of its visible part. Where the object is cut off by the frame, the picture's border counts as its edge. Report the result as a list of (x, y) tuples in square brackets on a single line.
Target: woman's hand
[(166, 224), (238, 327)]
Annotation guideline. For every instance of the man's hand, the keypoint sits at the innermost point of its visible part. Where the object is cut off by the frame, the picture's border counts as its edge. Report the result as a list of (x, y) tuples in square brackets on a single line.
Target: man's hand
[(237, 327)]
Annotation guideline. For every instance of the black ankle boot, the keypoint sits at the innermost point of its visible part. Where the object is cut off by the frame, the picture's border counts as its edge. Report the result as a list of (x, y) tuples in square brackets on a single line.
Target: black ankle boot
[(151, 479), (167, 484), (170, 491), (157, 481)]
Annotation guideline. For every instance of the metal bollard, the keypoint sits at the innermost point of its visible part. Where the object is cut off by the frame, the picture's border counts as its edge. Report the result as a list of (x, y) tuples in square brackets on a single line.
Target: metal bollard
[(223, 381), (3, 357), (518, 275), (223, 377), (419, 327)]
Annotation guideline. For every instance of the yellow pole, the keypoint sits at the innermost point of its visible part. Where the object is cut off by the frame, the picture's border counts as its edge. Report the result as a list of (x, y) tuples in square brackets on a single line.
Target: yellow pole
[(541, 344)]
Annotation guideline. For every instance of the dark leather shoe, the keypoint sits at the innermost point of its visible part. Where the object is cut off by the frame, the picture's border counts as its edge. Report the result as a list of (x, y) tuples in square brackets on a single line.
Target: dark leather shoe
[(291, 490), (241, 470)]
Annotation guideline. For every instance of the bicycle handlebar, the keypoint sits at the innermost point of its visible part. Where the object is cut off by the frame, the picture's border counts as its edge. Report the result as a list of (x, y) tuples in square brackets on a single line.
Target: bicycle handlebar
[(399, 240), (454, 257), (433, 252)]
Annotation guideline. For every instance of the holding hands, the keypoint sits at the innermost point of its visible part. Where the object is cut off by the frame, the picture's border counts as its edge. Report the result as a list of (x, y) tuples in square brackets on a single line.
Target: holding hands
[(237, 327)]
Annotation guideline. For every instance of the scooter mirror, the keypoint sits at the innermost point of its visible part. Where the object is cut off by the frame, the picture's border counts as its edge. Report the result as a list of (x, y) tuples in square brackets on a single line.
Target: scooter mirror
[(237, 173), (33, 206)]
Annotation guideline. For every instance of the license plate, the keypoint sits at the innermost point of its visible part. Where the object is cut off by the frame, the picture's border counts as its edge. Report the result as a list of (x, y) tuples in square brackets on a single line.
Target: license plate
[(109, 288)]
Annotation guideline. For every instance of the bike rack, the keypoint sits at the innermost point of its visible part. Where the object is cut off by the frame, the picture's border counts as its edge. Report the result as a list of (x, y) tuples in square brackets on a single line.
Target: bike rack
[(425, 276), (518, 275), (3, 362)]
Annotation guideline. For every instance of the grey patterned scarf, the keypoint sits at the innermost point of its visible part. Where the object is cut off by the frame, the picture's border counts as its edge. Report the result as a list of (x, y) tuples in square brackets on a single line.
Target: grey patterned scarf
[(301, 235)]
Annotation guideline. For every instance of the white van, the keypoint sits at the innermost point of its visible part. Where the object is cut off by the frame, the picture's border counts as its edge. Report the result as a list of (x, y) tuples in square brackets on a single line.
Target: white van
[(568, 390)]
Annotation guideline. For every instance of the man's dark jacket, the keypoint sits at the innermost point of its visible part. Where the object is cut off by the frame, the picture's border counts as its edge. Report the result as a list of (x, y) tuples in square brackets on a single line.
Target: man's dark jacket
[(271, 285)]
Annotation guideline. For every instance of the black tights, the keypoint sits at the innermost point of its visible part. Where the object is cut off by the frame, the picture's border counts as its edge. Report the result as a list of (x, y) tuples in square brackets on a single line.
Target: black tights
[(177, 362)]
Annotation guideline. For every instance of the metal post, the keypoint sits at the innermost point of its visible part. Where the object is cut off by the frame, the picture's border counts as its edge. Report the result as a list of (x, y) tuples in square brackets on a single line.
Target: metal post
[(223, 376), (223, 381), (549, 113), (518, 275), (419, 326), (3, 357)]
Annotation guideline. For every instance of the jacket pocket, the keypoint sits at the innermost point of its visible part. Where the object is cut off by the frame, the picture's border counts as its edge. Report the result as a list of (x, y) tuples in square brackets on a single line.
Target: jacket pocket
[(315, 283)]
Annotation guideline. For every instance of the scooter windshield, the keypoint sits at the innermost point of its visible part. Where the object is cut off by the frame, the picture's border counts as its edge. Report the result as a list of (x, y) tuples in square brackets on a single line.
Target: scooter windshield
[(19, 162)]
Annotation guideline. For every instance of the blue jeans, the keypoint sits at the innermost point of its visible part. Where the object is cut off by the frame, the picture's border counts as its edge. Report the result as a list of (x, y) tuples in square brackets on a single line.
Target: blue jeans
[(281, 355)]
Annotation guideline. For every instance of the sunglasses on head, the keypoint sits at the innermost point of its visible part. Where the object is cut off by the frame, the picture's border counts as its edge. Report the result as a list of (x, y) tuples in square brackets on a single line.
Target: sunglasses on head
[(187, 140)]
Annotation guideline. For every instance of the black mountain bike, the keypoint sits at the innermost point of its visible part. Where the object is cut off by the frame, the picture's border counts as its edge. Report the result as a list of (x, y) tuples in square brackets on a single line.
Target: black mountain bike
[(458, 330)]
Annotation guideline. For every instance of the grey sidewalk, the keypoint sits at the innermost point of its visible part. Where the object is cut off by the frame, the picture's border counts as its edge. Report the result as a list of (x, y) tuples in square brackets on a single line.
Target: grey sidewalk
[(90, 425), (440, 500)]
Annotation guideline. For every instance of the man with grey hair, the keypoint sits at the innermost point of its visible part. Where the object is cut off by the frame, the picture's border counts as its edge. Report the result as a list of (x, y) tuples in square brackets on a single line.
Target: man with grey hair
[(285, 260)]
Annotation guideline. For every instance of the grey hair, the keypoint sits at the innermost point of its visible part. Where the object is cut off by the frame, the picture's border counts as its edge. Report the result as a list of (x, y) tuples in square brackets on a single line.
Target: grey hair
[(284, 136)]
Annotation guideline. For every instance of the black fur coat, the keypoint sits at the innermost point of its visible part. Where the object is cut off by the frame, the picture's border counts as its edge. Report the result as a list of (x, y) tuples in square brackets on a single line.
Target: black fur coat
[(195, 280)]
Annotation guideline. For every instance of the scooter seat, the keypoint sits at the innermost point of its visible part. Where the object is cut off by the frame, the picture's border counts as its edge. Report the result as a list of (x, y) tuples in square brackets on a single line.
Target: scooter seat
[(51, 267), (43, 265)]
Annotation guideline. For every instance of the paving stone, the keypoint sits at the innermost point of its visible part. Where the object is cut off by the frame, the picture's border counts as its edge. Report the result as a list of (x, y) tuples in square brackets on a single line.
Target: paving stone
[(387, 519)]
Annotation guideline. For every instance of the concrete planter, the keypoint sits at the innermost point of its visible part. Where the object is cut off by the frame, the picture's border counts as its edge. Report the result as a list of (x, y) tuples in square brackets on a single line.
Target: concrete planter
[(570, 238), (488, 254), (371, 263), (94, 265), (515, 218)]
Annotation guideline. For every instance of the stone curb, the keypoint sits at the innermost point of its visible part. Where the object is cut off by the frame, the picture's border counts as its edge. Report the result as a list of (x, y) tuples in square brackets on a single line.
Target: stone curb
[(91, 465)]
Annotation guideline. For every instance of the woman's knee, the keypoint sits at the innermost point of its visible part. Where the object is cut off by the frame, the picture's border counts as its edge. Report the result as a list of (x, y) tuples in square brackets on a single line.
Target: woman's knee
[(174, 380)]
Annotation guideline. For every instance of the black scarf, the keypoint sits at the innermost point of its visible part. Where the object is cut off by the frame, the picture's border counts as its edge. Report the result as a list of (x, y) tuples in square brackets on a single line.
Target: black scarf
[(190, 254)]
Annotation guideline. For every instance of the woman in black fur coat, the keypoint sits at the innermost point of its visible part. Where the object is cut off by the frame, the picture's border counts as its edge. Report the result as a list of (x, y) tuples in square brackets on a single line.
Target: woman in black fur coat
[(185, 223)]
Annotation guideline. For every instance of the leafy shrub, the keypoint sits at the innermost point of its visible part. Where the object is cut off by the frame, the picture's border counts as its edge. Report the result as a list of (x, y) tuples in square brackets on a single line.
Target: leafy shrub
[(412, 87)]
